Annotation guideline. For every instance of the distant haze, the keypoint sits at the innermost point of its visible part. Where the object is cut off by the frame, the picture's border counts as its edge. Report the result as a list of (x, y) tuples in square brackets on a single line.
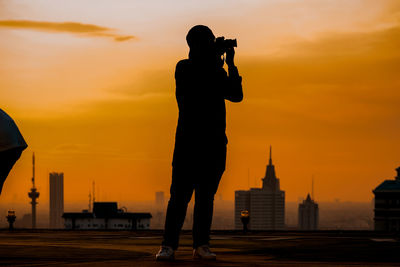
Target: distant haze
[(333, 215)]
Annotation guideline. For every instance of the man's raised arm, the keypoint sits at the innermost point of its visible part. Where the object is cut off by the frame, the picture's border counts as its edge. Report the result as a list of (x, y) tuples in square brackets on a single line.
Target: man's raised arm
[(233, 88)]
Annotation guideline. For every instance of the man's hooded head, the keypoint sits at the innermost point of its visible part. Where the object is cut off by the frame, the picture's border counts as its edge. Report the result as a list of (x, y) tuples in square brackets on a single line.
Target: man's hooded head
[(200, 36), (201, 41)]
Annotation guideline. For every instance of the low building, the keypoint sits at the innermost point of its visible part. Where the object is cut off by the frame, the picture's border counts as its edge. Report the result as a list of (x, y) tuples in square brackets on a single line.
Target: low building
[(106, 215), (387, 205), (308, 214)]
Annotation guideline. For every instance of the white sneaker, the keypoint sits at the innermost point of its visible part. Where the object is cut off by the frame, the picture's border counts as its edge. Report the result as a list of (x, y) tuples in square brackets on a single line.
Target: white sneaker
[(165, 253), (203, 252)]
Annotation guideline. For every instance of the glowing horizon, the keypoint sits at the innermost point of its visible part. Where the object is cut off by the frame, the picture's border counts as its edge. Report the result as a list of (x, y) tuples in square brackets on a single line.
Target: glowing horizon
[(320, 82)]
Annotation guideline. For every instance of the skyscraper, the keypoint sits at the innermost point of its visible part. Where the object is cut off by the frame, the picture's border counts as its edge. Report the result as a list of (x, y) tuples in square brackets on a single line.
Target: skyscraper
[(308, 214), (160, 200), (159, 214), (266, 205), (56, 185)]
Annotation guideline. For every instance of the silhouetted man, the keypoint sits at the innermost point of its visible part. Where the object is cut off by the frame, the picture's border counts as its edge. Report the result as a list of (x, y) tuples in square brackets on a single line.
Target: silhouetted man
[(202, 86), (11, 145)]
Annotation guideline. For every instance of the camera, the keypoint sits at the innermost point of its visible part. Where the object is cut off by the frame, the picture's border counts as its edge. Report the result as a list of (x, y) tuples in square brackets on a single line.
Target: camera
[(222, 44)]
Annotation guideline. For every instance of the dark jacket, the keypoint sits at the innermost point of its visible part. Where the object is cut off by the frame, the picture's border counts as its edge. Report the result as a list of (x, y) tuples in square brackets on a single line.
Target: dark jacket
[(201, 92)]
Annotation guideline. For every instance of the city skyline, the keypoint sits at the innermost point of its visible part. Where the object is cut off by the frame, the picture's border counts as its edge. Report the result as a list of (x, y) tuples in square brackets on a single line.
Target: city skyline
[(105, 194), (94, 96)]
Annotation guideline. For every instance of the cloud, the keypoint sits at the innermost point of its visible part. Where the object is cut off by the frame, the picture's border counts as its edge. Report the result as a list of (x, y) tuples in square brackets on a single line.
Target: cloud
[(65, 27), (345, 59), (123, 38), (346, 79)]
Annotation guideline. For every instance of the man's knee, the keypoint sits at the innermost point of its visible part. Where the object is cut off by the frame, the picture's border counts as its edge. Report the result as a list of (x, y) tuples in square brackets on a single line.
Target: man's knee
[(205, 198)]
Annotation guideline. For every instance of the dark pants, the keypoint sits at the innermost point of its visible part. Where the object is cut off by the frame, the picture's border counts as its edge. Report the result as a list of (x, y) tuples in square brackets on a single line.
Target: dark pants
[(204, 180)]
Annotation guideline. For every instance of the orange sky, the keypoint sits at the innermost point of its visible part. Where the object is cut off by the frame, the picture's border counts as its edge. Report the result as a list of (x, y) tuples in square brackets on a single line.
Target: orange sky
[(90, 84)]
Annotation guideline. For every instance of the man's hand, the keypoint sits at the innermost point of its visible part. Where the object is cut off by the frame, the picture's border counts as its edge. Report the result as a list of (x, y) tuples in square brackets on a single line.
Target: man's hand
[(230, 54)]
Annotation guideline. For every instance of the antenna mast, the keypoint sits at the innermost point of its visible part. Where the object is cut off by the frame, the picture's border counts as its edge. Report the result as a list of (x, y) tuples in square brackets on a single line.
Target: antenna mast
[(94, 192), (33, 170), (312, 187), (90, 201), (33, 194)]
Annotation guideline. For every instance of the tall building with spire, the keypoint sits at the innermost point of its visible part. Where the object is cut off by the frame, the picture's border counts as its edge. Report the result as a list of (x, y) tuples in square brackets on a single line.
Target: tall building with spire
[(33, 194), (266, 205)]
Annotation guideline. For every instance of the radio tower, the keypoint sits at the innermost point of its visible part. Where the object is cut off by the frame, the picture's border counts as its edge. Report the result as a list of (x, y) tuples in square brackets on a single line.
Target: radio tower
[(33, 194)]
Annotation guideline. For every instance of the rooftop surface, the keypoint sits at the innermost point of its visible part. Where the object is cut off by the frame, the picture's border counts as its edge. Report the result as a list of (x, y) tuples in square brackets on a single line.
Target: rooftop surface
[(124, 248)]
